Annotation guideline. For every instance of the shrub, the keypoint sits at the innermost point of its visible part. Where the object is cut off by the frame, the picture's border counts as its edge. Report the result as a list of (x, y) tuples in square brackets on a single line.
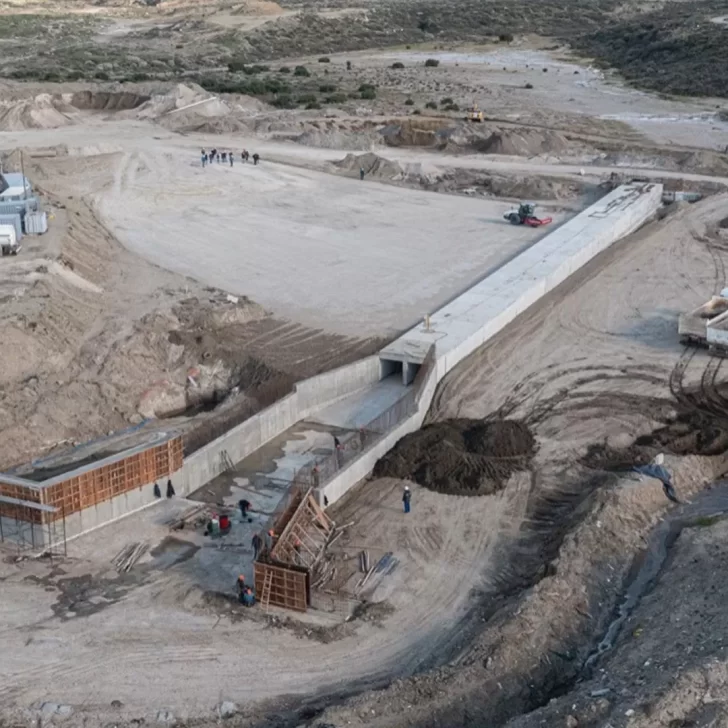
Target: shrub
[(301, 71), (416, 112), (307, 99), (431, 105), (284, 69), (397, 64), (409, 102), (545, 70), (528, 85), (432, 63), (252, 70), (284, 101), (274, 86), (327, 88), (367, 87), (101, 75), (452, 107), (324, 59), (446, 101), (313, 105), (336, 99), (506, 38), (369, 93)]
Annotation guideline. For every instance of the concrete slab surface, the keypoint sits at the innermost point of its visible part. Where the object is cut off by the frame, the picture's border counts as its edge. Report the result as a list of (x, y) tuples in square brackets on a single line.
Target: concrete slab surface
[(351, 257)]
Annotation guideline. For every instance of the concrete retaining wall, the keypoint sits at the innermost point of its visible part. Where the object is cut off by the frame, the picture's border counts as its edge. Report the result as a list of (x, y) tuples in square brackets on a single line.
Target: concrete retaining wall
[(473, 318), (310, 395)]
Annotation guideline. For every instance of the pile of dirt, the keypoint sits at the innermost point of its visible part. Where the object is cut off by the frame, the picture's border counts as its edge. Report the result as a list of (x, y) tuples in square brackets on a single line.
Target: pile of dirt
[(415, 133), (39, 112), (691, 433), (523, 143), (461, 457), (373, 166)]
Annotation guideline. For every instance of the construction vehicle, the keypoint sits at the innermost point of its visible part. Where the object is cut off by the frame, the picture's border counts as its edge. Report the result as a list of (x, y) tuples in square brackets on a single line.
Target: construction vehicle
[(525, 216), (474, 113), (9, 244)]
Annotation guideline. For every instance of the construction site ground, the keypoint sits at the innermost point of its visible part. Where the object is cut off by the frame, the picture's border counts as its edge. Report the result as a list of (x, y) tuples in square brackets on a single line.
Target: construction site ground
[(496, 601)]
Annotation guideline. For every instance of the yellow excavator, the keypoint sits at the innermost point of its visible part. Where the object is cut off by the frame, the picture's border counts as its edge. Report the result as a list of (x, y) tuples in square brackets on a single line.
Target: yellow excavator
[(474, 113)]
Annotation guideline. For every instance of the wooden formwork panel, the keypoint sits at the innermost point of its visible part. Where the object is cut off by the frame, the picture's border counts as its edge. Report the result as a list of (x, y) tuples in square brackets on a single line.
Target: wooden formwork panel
[(289, 587), (108, 481), (20, 492)]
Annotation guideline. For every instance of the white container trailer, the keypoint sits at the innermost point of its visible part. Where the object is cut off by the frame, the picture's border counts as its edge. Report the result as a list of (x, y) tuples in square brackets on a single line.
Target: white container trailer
[(8, 240)]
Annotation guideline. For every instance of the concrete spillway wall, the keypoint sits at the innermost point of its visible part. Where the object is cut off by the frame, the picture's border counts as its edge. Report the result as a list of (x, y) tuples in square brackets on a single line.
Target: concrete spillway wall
[(308, 396), (472, 319), (454, 332)]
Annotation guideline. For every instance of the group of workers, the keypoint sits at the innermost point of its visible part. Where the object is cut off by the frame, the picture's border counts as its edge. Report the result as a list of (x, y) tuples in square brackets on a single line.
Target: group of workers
[(216, 155)]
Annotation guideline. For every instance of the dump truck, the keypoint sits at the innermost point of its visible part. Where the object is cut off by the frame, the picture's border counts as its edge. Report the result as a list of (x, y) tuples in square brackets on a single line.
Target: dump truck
[(525, 215), (8, 240)]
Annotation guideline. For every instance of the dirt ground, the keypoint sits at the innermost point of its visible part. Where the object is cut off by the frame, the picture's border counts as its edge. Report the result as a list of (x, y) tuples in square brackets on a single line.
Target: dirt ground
[(495, 603)]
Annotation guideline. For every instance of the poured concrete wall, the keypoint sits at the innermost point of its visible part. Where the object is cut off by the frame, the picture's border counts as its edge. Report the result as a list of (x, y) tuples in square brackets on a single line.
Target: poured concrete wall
[(477, 315), (309, 395)]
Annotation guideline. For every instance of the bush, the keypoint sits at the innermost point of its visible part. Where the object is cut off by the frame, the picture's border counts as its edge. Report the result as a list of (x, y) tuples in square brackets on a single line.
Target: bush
[(254, 69), (301, 71), (313, 105), (528, 85), (397, 65), (506, 38), (274, 86), (327, 88), (409, 102), (284, 69), (369, 93), (446, 101), (307, 99), (101, 75), (284, 101), (324, 59), (432, 63), (452, 107), (367, 87), (431, 105), (416, 112), (336, 99)]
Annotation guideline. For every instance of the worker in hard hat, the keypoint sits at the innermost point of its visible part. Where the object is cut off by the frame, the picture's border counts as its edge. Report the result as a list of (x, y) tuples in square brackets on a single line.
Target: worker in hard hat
[(406, 498)]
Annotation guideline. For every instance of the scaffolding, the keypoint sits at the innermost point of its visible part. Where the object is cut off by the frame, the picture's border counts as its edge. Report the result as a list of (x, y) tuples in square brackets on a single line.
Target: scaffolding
[(32, 526)]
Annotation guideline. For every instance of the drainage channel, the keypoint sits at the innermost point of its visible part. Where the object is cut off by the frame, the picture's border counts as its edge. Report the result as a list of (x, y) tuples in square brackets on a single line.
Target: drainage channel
[(648, 565)]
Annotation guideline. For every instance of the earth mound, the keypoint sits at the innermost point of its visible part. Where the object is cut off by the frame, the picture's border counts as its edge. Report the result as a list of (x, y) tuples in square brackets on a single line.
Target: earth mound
[(523, 143), (461, 457), (373, 166)]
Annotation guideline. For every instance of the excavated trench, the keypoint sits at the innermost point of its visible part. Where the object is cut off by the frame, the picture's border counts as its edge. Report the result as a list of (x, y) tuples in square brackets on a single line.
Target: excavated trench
[(107, 100)]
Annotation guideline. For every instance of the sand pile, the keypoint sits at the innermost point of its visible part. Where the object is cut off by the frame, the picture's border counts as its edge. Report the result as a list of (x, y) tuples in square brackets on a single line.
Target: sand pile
[(373, 166), (39, 112), (461, 457), (523, 143)]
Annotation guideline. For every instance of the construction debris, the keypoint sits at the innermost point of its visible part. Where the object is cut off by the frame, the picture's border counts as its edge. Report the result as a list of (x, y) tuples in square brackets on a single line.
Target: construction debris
[(129, 555)]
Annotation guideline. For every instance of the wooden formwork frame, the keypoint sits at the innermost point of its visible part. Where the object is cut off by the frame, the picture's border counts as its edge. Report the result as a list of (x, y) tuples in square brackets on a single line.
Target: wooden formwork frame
[(101, 484), (289, 587), (304, 538), (96, 485)]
